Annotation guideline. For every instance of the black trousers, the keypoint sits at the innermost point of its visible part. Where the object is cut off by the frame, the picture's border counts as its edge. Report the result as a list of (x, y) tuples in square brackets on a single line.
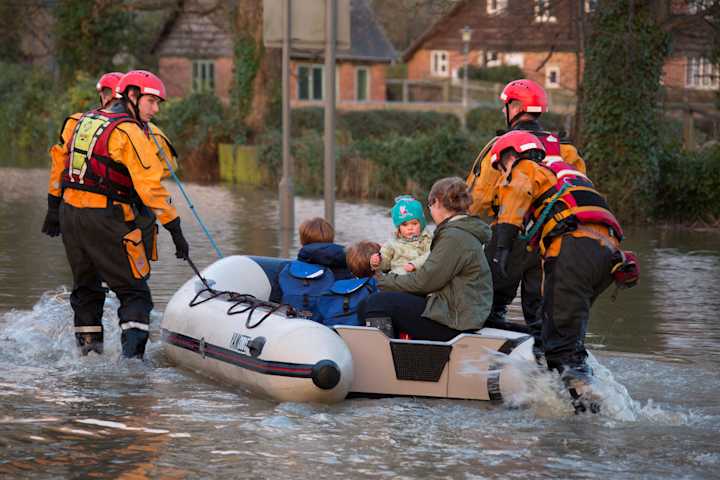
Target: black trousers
[(573, 280), (525, 271), (405, 310), (93, 239)]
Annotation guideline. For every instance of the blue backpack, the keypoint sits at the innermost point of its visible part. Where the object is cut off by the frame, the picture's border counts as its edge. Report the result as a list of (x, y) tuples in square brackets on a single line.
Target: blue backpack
[(303, 285), (339, 305)]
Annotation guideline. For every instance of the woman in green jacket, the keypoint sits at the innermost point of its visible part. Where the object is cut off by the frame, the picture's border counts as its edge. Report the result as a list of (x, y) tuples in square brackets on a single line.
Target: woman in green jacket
[(452, 292)]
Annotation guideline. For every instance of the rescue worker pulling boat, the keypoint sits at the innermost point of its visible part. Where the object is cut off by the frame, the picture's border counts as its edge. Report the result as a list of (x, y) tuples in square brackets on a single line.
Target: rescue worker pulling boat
[(110, 166), (556, 209)]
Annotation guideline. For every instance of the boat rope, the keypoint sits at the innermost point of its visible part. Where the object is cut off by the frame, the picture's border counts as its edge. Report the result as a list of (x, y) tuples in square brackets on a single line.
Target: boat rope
[(250, 302), (182, 190)]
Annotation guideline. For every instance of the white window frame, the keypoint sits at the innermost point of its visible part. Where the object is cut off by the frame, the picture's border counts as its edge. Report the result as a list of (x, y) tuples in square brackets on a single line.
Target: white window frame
[(312, 67), (492, 58), (494, 7), (590, 6), (701, 74), (203, 76), (514, 58), (543, 12), (439, 63), (367, 84), (549, 70)]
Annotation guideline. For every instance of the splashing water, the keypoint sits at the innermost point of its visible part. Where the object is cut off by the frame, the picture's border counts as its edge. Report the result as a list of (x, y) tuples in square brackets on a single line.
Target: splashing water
[(544, 393)]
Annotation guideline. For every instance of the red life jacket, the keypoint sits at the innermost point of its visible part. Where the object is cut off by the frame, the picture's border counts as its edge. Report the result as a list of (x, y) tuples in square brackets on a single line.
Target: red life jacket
[(89, 166), (571, 201)]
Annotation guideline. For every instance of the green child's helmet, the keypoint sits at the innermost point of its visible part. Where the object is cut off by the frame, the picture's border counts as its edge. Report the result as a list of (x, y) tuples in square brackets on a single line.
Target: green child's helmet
[(407, 208)]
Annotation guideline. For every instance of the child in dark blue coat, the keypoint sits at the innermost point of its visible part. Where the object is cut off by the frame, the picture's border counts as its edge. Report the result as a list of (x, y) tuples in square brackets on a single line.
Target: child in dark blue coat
[(317, 237)]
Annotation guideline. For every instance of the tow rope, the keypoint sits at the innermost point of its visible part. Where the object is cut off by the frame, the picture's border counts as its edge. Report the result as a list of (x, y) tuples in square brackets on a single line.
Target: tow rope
[(250, 302), (182, 190)]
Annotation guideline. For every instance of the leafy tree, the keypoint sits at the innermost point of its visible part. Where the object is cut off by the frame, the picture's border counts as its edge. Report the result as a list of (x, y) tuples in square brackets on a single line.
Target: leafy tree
[(90, 33), (625, 54)]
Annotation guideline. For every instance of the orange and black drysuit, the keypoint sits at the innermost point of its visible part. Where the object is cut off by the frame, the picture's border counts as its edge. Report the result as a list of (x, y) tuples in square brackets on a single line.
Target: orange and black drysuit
[(561, 215), (524, 267), (109, 168)]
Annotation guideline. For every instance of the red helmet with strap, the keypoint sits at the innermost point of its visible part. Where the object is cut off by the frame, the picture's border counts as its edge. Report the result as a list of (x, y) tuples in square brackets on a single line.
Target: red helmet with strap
[(109, 80), (532, 97), (147, 82), (520, 141)]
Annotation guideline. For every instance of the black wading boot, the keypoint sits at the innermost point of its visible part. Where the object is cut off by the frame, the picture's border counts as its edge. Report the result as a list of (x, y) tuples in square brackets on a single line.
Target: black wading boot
[(133, 342), (89, 342)]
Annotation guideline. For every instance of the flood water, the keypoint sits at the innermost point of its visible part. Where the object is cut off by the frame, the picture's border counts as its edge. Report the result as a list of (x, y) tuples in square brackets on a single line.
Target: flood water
[(62, 416)]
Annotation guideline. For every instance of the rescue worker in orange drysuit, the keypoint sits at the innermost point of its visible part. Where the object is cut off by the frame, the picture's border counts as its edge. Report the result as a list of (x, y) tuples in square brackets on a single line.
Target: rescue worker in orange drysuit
[(111, 166), (557, 211), (523, 103)]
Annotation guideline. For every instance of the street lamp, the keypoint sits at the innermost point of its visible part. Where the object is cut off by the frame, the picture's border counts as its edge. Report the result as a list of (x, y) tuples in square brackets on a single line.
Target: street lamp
[(466, 34)]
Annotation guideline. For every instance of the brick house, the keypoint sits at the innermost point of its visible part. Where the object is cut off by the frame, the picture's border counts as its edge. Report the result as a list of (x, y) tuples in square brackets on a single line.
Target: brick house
[(195, 53), (542, 37)]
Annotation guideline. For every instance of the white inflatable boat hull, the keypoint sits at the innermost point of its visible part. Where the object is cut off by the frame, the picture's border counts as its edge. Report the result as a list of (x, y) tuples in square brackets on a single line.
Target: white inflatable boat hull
[(297, 355), (291, 359)]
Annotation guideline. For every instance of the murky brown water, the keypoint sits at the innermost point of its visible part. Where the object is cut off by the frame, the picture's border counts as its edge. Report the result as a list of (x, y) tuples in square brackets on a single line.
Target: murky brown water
[(63, 416)]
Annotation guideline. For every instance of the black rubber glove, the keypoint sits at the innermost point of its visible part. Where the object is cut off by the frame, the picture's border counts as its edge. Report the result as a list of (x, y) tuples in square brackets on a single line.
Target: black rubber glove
[(505, 234), (182, 249), (51, 226)]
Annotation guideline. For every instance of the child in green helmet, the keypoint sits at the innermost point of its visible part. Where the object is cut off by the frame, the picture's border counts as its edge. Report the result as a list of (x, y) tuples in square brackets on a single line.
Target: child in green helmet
[(409, 246)]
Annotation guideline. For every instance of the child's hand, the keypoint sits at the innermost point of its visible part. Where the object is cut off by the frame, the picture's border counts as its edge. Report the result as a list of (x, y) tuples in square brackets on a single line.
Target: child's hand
[(409, 267), (375, 260)]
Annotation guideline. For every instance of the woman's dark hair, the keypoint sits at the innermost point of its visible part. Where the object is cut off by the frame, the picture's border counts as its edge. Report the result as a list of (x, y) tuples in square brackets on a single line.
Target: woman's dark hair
[(452, 193)]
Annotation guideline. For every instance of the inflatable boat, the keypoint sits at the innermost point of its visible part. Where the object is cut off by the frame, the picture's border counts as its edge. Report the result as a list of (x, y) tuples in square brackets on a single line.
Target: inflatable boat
[(228, 323)]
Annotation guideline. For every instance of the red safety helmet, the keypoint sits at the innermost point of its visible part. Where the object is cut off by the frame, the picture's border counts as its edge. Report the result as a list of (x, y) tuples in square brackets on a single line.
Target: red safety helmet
[(521, 141), (532, 97), (109, 80), (147, 82)]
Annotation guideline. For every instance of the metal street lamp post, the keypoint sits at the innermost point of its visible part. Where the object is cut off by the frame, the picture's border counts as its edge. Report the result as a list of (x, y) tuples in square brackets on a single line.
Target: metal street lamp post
[(466, 33)]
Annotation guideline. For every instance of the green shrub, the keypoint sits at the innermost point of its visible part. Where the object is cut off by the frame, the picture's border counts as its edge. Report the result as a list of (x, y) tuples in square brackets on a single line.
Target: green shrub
[(372, 123), (500, 74), (397, 163), (26, 115), (689, 185), (487, 121), (193, 121)]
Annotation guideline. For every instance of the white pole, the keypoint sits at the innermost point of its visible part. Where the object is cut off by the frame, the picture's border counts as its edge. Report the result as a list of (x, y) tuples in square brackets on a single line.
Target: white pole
[(285, 188), (329, 166)]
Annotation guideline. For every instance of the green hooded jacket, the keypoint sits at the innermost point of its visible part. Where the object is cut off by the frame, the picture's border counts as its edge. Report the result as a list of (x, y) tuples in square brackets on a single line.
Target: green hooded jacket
[(456, 276)]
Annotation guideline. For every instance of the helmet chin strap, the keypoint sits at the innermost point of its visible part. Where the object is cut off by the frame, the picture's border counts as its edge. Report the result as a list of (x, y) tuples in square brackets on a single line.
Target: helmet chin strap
[(135, 108)]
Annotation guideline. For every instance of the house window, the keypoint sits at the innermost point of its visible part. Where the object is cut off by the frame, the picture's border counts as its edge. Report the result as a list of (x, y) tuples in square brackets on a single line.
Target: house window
[(439, 63), (310, 82), (590, 6), (496, 6), (543, 12), (362, 84), (492, 59), (552, 77), (701, 74), (203, 76), (514, 59)]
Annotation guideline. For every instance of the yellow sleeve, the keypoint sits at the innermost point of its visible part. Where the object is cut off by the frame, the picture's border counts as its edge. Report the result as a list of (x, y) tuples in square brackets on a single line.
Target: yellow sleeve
[(166, 151), (129, 145), (59, 154), (483, 183), (516, 193), (571, 156)]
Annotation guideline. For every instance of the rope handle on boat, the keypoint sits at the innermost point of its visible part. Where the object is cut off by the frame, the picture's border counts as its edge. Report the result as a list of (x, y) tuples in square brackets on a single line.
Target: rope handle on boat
[(251, 301)]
